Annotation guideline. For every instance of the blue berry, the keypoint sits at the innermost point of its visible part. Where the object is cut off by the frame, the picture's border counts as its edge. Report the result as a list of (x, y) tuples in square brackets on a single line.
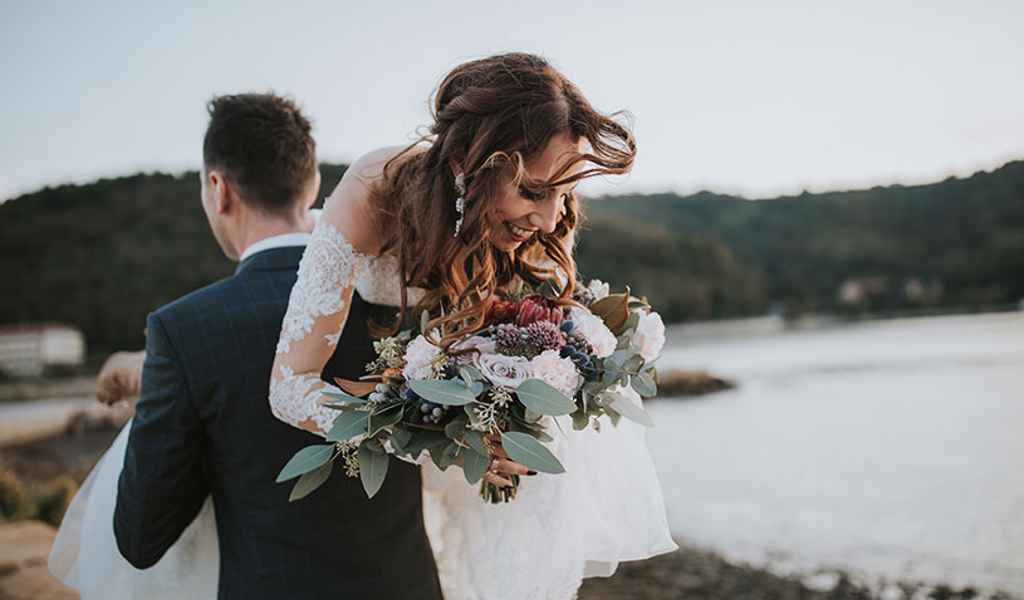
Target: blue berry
[(437, 412), (566, 326), (424, 408)]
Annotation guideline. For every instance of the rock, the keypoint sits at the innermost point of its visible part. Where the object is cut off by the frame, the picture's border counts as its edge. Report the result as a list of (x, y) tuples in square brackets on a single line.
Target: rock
[(24, 548), (678, 382)]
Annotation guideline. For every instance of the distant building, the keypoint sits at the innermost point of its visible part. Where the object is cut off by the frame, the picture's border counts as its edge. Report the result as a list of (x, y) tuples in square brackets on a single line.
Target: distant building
[(27, 350), (857, 291)]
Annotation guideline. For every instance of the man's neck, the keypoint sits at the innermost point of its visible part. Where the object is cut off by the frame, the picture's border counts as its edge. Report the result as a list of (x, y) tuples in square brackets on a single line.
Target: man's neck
[(260, 230)]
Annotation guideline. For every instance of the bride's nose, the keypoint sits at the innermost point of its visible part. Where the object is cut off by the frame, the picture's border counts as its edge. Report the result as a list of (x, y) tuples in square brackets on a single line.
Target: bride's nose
[(546, 218)]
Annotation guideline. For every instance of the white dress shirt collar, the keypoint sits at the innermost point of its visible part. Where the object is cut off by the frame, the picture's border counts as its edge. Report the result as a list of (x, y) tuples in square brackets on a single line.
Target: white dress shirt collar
[(279, 241)]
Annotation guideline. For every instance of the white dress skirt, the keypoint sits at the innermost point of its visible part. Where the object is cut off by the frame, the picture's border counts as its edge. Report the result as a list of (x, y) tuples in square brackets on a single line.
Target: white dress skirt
[(606, 508)]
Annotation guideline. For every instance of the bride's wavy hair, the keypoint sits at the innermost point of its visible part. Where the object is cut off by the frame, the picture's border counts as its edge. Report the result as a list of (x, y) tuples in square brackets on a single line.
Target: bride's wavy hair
[(491, 117)]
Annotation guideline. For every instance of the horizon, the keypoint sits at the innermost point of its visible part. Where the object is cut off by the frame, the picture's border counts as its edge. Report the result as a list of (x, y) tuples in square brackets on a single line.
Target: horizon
[(322, 163), (744, 99)]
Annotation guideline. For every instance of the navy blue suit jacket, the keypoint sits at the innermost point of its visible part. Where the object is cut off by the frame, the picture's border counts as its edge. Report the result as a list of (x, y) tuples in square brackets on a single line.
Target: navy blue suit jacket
[(203, 427)]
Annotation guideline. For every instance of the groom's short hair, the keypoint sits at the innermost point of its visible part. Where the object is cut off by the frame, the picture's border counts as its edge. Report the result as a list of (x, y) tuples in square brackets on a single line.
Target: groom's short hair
[(262, 143)]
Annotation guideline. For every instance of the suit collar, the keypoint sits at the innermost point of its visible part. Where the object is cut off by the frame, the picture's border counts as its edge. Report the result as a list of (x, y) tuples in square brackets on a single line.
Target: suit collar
[(284, 257)]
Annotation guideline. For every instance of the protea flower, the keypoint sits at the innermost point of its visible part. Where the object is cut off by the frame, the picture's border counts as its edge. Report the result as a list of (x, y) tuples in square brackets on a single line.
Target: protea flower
[(538, 308)]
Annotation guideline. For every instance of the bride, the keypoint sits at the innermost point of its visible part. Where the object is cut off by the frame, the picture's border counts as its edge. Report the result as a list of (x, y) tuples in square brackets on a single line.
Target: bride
[(485, 200)]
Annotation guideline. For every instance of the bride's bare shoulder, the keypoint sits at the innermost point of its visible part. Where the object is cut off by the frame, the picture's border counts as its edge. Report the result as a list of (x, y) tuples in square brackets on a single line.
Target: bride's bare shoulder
[(369, 167), (349, 207)]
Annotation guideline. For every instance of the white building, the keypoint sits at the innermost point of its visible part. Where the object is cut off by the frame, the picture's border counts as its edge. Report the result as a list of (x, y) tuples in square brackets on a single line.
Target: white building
[(26, 350)]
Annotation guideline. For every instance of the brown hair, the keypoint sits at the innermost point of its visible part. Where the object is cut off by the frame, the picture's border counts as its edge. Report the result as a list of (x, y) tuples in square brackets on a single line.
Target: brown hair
[(491, 116), (263, 144)]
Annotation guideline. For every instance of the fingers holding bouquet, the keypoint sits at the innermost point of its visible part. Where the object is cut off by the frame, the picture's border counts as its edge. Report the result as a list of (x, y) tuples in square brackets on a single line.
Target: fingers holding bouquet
[(501, 471)]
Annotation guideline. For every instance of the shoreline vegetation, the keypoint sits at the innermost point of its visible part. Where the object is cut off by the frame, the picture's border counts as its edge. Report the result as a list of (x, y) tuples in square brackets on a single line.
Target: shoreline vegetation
[(948, 247)]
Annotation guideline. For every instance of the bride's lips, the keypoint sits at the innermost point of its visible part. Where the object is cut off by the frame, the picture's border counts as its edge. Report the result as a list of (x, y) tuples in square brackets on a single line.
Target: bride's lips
[(515, 232)]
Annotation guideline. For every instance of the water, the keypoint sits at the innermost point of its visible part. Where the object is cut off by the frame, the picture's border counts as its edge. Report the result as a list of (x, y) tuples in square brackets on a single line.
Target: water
[(890, 448)]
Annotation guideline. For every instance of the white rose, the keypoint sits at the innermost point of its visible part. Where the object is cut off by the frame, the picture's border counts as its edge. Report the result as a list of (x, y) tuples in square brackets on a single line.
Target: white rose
[(593, 330), (649, 336), (598, 288), (419, 359), (484, 344), (508, 371), (560, 373)]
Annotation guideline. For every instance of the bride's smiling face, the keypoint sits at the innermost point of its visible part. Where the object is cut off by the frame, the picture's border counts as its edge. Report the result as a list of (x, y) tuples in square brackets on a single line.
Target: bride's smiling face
[(519, 213)]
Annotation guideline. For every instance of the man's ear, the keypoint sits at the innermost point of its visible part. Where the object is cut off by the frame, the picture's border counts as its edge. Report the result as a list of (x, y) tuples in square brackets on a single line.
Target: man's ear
[(222, 194)]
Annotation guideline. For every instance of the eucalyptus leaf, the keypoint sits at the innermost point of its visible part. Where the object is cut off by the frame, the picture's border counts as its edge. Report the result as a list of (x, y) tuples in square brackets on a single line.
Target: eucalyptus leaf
[(540, 397), (342, 406), (617, 358), (474, 466), (447, 392), (633, 363), (523, 449), (425, 440), (310, 481), (475, 439), (385, 418), (373, 468), (344, 397), (305, 460), (644, 385), (455, 428), (543, 436), (580, 420), (445, 456), (400, 437), (348, 425), (632, 411)]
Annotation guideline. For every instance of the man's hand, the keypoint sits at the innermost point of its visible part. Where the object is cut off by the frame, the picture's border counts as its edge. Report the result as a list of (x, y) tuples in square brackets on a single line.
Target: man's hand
[(120, 376), (501, 467)]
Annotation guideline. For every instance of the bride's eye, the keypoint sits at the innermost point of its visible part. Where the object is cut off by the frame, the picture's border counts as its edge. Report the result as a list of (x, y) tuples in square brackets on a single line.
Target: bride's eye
[(527, 194)]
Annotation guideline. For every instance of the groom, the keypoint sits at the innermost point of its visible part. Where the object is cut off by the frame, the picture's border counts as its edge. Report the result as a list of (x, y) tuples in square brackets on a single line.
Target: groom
[(203, 424)]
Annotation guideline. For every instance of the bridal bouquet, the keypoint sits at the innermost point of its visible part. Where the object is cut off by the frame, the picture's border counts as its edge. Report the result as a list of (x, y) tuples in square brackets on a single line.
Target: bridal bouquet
[(534, 359)]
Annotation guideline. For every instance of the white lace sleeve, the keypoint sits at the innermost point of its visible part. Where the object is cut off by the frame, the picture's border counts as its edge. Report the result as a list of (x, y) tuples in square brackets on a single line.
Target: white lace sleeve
[(317, 310)]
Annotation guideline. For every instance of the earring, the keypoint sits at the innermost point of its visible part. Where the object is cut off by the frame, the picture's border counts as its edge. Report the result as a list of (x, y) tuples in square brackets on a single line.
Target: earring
[(460, 202)]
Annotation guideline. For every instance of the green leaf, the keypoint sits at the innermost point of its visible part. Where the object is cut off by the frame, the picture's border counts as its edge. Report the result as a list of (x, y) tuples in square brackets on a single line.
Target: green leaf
[(400, 437), (305, 460), (448, 392), (538, 396), (627, 408), (455, 428), (474, 466), (580, 420), (445, 456), (343, 397), (373, 468), (348, 425), (644, 385), (385, 418), (523, 449), (475, 439), (310, 481), (633, 363), (425, 440)]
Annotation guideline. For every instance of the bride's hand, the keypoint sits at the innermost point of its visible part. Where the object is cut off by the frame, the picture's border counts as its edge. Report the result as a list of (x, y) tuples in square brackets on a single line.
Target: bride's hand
[(501, 466), (119, 378)]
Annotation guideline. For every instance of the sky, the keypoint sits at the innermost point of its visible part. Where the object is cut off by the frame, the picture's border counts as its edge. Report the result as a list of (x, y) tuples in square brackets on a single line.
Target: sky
[(752, 98)]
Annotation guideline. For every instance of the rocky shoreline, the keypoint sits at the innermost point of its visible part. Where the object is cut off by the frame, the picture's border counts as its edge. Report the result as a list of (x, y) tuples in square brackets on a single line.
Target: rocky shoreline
[(696, 574)]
